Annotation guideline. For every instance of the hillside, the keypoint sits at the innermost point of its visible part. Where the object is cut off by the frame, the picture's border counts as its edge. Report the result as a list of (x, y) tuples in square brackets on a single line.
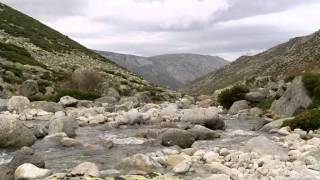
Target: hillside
[(169, 70), (32, 50), (282, 61)]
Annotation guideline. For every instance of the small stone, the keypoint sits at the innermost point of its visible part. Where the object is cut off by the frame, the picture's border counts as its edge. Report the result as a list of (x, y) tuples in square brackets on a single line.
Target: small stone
[(173, 160), (199, 153), (224, 152), (294, 155), (182, 167), (284, 131), (86, 168), (170, 151), (219, 177), (211, 157), (109, 172), (69, 142), (263, 171), (68, 101), (189, 151)]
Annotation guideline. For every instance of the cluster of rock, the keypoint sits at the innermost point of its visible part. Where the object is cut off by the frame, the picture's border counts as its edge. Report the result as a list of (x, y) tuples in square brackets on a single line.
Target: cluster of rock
[(288, 99), (23, 122), (288, 155), (284, 157)]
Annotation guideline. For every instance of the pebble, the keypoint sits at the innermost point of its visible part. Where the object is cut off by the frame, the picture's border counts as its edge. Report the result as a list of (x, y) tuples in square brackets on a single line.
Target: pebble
[(182, 167)]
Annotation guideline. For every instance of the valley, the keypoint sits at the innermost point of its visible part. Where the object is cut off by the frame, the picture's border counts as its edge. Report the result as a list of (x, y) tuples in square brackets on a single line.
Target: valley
[(70, 113)]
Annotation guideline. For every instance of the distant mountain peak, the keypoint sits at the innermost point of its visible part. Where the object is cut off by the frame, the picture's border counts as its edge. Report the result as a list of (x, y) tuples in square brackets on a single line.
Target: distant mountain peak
[(168, 70)]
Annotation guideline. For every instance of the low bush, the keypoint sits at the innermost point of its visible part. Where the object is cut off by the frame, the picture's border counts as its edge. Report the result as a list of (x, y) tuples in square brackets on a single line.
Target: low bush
[(229, 96), (85, 80), (308, 120), (12, 79), (264, 105), (311, 82), (78, 94), (18, 54), (43, 84)]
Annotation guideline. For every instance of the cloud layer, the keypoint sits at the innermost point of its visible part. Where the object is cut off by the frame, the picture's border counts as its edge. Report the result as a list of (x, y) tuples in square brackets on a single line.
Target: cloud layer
[(228, 28)]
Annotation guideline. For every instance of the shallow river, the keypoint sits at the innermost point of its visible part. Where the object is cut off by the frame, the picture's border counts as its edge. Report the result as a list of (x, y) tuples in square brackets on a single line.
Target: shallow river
[(61, 159)]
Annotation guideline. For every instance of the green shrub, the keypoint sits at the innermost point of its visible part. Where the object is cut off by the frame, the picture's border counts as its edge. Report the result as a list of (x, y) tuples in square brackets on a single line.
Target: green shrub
[(264, 105), (20, 25), (309, 120), (43, 84), (78, 94), (229, 96), (311, 81), (12, 79), (52, 98), (18, 54)]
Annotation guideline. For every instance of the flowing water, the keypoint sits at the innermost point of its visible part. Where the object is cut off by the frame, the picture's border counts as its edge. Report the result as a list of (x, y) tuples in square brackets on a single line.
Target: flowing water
[(61, 159)]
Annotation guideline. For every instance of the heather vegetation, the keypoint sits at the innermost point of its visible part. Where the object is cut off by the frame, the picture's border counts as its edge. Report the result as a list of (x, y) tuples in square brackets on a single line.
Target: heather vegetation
[(229, 96)]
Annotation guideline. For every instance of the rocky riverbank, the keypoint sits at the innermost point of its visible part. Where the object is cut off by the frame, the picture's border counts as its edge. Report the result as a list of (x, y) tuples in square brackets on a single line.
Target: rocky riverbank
[(134, 139)]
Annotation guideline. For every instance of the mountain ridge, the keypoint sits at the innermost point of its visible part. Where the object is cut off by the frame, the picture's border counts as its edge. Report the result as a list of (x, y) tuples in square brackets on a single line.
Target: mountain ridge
[(169, 70), (281, 61)]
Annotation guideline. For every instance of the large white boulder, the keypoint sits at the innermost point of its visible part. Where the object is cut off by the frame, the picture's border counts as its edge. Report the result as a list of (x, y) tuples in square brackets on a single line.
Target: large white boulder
[(30, 171)]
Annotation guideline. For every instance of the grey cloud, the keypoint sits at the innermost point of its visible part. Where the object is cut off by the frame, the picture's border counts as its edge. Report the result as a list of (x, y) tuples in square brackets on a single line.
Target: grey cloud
[(246, 8), (48, 9), (204, 37)]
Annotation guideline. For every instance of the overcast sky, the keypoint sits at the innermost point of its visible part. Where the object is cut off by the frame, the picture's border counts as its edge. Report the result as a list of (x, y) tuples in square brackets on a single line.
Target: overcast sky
[(228, 28)]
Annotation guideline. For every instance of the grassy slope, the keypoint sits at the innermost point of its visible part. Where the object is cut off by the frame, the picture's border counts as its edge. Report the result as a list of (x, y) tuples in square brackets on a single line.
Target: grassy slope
[(62, 48), (18, 24), (291, 58)]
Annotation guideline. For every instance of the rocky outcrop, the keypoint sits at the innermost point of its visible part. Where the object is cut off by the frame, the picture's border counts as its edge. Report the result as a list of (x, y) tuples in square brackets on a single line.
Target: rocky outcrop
[(293, 101), (13, 133), (179, 137)]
